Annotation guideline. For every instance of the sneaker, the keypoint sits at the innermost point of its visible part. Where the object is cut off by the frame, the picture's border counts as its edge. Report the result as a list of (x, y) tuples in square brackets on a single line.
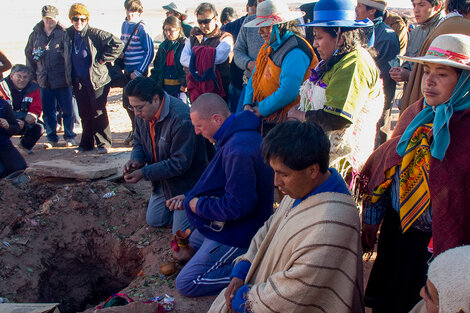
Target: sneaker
[(27, 151), (50, 144), (102, 150), (70, 142), (128, 140)]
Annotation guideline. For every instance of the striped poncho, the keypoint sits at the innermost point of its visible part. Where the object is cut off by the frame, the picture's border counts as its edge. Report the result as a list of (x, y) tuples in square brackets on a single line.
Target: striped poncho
[(306, 259)]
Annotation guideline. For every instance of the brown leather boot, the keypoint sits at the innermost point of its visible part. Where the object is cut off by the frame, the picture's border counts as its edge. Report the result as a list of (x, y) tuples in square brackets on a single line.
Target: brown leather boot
[(182, 251)]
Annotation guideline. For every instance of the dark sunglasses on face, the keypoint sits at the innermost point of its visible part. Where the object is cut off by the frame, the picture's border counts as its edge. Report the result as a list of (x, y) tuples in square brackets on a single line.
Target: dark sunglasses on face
[(76, 19), (206, 21)]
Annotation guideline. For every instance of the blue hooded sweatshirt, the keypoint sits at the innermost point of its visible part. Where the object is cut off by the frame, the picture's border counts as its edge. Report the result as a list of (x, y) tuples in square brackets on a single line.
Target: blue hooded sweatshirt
[(237, 186)]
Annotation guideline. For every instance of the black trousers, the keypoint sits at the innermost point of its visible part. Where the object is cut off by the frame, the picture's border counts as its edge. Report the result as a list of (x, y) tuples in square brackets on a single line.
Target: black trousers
[(92, 109), (30, 134), (400, 268), (11, 160)]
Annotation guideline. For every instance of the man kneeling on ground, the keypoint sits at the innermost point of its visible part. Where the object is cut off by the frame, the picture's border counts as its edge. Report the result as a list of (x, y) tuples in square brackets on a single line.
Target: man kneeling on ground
[(307, 256), (165, 151), (231, 200)]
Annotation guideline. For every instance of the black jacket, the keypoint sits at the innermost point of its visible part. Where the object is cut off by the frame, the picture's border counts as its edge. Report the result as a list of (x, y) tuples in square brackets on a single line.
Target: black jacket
[(181, 154), (103, 46), (45, 56)]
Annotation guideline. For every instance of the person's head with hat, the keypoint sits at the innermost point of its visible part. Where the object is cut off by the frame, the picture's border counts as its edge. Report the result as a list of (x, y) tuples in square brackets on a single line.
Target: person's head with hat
[(49, 16), (445, 85), (274, 19), (447, 289), (79, 16), (336, 29), (177, 10), (370, 9)]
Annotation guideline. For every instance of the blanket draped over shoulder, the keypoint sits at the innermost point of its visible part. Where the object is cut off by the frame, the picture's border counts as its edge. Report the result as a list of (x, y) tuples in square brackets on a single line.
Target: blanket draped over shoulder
[(306, 259), (448, 180)]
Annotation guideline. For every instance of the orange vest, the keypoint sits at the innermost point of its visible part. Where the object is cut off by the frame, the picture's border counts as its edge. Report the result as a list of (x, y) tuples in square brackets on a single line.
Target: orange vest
[(265, 79)]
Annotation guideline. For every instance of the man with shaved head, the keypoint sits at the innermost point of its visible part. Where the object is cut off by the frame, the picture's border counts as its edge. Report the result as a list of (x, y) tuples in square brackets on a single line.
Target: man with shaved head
[(231, 200)]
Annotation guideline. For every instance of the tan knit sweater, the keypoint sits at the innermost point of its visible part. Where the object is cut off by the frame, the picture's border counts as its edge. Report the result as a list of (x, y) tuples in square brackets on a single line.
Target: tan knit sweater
[(306, 259)]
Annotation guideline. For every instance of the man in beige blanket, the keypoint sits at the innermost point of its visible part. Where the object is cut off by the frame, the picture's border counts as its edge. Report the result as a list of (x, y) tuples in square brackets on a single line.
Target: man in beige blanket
[(307, 256)]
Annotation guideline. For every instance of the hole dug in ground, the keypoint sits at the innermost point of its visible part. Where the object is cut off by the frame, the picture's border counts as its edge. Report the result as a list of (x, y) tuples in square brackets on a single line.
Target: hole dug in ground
[(82, 276)]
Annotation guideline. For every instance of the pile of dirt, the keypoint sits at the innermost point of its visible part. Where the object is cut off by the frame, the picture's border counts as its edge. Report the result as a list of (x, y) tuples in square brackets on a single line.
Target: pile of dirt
[(78, 243)]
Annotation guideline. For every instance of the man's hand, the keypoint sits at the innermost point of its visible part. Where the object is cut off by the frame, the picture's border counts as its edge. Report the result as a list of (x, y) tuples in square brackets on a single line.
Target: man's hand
[(231, 291), (30, 119), (175, 203), (131, 166), (21, 123), (183, 89), (193, 204), (133, 75), (251, 65), (133, 177), (369, 237), (4, 123), (399, 74), (296, 114)]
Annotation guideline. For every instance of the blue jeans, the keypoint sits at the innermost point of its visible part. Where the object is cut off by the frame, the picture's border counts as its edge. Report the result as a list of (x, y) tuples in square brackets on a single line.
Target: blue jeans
[(208, 271), (63, 96), (159, 215)]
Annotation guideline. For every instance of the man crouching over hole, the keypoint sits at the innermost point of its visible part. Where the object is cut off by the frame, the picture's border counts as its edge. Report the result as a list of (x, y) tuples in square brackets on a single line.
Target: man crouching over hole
[(231, 200), (165, 151), (307, 256)]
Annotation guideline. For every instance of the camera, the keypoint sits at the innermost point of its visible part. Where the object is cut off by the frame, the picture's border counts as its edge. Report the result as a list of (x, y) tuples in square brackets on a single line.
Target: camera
[(38, 53)]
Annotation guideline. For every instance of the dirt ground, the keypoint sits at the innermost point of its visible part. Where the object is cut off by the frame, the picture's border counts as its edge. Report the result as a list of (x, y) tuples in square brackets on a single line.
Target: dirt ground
[(61, 241)]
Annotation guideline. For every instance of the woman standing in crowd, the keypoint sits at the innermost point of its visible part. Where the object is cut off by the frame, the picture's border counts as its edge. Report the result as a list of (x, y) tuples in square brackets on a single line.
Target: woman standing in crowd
[(344, 92), (167, 70), (417, 182), (281, 66), (87, 50), (45, 56)]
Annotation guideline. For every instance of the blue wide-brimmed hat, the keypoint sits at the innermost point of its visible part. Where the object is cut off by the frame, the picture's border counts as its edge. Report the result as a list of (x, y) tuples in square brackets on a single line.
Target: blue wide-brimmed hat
[(336, 13)]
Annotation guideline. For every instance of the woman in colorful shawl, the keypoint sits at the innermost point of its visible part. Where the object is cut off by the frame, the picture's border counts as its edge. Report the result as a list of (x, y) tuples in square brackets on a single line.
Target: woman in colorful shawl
[(344, 92), (424, 165), (281, 66), (167, 70)]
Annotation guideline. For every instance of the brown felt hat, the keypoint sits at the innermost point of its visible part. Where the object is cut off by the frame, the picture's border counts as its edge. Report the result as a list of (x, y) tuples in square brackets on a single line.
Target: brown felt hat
[(78, 9), (377, 4)]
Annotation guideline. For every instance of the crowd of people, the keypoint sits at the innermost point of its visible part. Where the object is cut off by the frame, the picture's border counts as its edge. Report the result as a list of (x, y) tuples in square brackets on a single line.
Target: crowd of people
[(230, 112)]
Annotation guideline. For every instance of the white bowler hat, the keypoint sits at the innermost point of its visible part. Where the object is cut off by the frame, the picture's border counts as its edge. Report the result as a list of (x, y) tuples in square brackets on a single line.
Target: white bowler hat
[(271, 12), (449, 49)]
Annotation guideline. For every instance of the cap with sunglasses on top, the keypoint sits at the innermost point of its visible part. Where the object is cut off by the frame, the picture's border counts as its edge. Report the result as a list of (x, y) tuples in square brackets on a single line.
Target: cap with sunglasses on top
[(49, 11), (78, 9)]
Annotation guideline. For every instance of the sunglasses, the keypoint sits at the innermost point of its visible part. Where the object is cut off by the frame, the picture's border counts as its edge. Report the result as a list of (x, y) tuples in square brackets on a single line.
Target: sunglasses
[(206, 21), (76, 19)]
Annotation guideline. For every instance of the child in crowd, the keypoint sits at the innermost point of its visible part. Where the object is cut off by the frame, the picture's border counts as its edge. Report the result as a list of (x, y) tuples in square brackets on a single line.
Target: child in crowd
[(167, 70)]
